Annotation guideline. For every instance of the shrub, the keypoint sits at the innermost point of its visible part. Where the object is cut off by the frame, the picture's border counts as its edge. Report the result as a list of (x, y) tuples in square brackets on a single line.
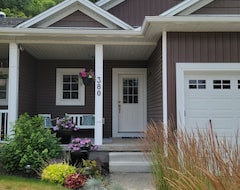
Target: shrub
[(194, 160), (32, 144), (75, 181), (57, 173), (91, 169)]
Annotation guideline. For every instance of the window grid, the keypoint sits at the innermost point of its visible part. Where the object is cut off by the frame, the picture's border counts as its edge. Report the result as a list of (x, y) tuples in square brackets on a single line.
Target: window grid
[(221, 84), (130, 91), (197, 84), (70, 87)]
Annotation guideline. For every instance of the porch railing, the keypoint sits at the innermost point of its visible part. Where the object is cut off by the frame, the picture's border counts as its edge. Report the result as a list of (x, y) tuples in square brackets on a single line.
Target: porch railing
[(3, 123)]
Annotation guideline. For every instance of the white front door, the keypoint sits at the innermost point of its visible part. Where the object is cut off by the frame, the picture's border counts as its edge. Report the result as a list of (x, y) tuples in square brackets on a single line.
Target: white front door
[(129, 102)]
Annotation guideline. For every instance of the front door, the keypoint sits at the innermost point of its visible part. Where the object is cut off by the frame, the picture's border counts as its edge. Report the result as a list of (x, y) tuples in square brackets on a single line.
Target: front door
[(129, 102)]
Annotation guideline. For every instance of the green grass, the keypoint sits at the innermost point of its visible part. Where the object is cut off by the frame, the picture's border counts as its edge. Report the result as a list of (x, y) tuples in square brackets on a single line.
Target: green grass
[(20, 183)]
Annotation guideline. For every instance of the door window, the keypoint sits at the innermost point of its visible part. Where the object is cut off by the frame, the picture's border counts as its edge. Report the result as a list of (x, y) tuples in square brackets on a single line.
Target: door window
[(130, 91)]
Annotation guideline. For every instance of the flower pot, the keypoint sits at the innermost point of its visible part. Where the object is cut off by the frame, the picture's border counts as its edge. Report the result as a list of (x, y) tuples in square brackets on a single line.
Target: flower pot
[(65, 135), (87, 81), (77, 156)]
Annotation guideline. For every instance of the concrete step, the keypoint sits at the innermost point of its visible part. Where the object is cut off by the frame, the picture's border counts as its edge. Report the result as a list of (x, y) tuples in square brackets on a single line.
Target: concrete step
[(128, 162)]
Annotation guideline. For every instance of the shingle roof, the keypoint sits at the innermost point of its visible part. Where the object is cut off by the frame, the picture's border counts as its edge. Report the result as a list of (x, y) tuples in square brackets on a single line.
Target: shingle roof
[(11, 22)]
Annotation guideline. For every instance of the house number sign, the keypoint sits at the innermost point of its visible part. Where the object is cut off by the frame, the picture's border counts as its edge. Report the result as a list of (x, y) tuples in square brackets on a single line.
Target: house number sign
[(99, 86)]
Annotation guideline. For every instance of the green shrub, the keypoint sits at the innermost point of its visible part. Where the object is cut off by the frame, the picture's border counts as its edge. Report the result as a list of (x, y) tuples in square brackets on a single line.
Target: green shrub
[(32, 144), (57, 173)]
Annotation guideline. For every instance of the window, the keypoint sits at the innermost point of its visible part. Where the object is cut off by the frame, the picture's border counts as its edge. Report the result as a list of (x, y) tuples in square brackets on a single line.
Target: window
[(197, 84), (130, 91), (4, 88), (69, 88), (221, 84)]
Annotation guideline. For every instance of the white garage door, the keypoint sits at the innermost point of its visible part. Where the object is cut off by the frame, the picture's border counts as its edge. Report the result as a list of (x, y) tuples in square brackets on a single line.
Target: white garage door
[(215, 97)]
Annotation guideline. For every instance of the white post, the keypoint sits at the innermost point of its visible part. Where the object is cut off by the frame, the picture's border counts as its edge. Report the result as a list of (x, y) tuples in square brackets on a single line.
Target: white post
[(13, 77), (98, 131), (164, 81)]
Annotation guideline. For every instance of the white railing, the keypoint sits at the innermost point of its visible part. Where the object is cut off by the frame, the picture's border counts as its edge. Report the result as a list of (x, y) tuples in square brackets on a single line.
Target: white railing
[(3, 124)]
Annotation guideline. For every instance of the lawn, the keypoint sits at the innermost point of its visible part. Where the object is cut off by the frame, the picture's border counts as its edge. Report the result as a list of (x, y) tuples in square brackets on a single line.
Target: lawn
[(20, 183)]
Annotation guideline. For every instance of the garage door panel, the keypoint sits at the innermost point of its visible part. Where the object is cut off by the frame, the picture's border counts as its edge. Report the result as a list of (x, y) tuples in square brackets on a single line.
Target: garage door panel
[(218, 102)]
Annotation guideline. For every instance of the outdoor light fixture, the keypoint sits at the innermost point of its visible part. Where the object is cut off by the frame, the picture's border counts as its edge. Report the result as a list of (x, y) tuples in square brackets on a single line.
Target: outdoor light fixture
[(28, 168)]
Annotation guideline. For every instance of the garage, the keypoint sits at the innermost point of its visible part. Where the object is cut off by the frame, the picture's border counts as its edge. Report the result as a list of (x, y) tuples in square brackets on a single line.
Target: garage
[(211, 97)]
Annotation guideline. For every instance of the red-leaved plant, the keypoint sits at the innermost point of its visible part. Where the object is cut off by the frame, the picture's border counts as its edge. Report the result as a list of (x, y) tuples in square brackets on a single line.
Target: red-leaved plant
[(75, 181)]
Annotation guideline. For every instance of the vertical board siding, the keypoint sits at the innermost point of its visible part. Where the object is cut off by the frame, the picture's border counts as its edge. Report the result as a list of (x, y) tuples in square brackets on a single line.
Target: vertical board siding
[(154, 83), (134, 11), (77, 19), (221, 7), (195, 48), (27, 84)]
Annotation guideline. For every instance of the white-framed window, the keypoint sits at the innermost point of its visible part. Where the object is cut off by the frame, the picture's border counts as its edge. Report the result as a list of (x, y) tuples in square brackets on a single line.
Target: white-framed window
[(69, 88), (4, 87)]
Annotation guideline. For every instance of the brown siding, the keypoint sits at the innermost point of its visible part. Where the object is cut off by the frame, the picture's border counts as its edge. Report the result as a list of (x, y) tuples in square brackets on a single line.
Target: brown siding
[(27, 84), (154, 92), (77, 19), (221, 7), (134, 11), (46, 93), (198, 47)]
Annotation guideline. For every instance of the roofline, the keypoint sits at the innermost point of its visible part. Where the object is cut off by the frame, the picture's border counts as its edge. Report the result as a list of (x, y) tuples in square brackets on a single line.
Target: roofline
[(65, 3), (186, 7), (108, 4)]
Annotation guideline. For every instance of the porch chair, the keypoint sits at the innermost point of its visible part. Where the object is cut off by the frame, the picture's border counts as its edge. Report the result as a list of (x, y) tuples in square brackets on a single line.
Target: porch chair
[(47, 120)]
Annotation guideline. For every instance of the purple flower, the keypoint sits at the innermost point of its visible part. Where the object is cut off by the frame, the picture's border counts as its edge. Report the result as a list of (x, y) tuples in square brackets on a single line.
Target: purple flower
[(55, 128)]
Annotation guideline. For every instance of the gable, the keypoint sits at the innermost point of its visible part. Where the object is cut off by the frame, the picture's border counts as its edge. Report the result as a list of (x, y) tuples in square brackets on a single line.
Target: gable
[(229, 7), (78, 19), (66, 10)]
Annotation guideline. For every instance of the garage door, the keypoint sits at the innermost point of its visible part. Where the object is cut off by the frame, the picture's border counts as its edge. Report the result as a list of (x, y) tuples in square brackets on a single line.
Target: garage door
[(212, 97)]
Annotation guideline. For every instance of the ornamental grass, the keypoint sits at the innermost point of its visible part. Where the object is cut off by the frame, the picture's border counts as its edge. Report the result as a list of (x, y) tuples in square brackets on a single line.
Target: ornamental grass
[(193, 160)]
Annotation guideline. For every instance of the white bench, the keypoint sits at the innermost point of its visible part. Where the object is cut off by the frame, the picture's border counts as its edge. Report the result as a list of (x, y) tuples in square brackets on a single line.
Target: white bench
[(83, 121)]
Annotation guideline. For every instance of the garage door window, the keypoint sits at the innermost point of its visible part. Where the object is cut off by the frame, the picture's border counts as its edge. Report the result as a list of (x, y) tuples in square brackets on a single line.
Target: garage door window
[(221, 84), (197, 84)]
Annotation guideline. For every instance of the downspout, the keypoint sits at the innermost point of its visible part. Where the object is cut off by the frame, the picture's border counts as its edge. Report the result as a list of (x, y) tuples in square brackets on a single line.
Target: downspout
[(164, 81)]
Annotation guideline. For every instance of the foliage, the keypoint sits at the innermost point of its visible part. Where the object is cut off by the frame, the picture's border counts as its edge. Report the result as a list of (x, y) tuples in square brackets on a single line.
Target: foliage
[(32, 144), (75, 181), (93, 184), (20, 183), (57, 173), (65, 123), (81, 143), (85, 74), (27, 8), (91, 169), (194, 160)]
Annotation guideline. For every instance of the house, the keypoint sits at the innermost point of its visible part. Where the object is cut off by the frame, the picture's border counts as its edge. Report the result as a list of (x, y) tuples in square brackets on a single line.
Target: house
[(155, 59)]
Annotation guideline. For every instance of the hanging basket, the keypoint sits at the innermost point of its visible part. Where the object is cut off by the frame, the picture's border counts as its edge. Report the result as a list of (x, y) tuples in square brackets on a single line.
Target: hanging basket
[(2, 82), (87, 81)]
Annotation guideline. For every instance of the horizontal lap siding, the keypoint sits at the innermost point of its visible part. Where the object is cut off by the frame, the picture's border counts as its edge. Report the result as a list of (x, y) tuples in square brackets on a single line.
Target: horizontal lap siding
[(198, 47), (154, 92), (46, 93), (221, 7), (27, 84), (134, 11), (77, 19)]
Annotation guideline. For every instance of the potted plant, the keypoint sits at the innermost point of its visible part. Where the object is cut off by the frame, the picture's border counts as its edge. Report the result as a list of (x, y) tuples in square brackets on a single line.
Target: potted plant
[(80, 148), (87, 77), (64, 128)]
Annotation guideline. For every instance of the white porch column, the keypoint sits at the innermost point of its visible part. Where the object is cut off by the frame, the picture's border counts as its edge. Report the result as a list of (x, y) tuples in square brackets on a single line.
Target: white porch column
[(13, 77), (98, 132), (164, 81)]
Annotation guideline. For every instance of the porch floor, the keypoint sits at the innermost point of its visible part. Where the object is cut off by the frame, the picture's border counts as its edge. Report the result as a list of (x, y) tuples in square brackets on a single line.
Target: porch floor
[(117, 145)]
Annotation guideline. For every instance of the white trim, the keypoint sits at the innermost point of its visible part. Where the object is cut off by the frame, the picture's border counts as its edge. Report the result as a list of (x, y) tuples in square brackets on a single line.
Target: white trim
[(115, 74), (164, 80), (59, 84), (108, 4), (98, 132), (83, 4), (186, 7), (181, 69), (13, 86)]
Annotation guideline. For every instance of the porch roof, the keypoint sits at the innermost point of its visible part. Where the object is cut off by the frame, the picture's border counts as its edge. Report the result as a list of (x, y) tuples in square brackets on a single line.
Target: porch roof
[(118, 44)]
